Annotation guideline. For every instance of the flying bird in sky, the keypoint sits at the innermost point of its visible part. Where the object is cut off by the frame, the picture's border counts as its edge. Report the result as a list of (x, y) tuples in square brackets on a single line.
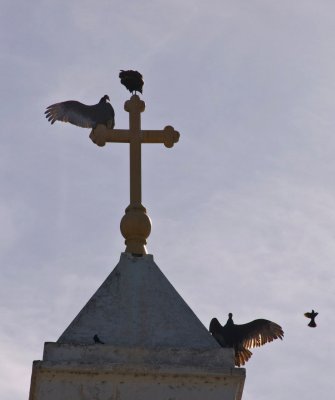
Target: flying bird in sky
[(243, 337), (97, 339), (312, 316), (82, 115), (132, 80)]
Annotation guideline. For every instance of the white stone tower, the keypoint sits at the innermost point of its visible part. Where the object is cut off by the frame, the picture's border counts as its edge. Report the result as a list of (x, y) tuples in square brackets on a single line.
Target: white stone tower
[(154, 347)]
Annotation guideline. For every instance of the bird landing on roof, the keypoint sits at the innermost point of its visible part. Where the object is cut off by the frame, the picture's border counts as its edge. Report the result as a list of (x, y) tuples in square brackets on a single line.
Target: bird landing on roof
[(312, 315), (132, 80), (82, 115), (246, 336)]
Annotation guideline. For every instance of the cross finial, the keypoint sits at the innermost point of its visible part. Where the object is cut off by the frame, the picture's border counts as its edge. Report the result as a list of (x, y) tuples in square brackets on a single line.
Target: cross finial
[(135, 225)]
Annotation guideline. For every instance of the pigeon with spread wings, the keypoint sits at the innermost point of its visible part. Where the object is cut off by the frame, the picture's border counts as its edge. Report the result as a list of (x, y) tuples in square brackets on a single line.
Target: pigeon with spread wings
[(82, 115), (243, 337)]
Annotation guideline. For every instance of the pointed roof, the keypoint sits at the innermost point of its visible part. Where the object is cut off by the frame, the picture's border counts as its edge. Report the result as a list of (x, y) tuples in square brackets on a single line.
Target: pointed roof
[(138, 306)]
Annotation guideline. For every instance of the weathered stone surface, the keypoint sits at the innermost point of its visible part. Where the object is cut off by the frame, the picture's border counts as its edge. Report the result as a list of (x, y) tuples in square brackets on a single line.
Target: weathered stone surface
[(211, 359), (68, 381), (138, 306)]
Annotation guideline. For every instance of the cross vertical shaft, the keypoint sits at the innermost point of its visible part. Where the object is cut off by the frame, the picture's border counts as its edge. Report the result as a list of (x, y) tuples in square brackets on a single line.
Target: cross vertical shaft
[(135, 224), (135, 110)]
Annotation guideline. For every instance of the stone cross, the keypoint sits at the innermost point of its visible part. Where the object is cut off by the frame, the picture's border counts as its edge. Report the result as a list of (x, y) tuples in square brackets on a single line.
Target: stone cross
[(135, 225)]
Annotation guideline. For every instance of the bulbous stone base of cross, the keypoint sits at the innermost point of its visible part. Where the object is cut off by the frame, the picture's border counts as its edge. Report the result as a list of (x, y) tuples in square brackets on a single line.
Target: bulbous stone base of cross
[(135, 227)]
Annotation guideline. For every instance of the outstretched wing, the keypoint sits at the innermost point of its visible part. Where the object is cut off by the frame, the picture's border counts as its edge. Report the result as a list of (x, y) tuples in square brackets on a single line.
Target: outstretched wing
[(242, 356), (71, 111), (215, 329), (310, 315), (258, 332)]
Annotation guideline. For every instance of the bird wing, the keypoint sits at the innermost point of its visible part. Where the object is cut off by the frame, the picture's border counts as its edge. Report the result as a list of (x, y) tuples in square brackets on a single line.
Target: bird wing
[(71, 111), (242, 356), (131, 74), (258, 332), (310, 315), (215, 329), (132, 80)]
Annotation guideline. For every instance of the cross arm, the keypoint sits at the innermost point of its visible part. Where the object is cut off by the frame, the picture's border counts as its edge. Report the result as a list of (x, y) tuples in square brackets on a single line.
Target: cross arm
[(102, 135), (168, 136)]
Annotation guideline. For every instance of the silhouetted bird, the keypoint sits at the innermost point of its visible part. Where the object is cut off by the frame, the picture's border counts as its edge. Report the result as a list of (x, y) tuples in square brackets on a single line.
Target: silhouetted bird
[(97, 339), (82, 115), (243, 337), (132, 80), (312, 316)]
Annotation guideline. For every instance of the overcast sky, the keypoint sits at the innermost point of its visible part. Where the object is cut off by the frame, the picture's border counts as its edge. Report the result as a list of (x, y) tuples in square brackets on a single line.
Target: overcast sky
[(243, 207)]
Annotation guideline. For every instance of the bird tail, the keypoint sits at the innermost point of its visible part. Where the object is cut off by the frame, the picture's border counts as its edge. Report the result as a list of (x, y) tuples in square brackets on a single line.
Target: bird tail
[(312, 324), (242, 355)]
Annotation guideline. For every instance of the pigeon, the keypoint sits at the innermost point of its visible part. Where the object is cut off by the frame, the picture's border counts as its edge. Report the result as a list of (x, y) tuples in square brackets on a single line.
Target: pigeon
[(243, 337), (97, 339), (82, 115), (132, 80), (312, 316)]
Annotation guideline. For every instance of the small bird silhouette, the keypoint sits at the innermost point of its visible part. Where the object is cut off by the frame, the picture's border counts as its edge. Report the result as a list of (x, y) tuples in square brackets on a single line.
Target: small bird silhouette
[(312, 316), (82, 115), (132, 80), (245, 336), (97, 339)]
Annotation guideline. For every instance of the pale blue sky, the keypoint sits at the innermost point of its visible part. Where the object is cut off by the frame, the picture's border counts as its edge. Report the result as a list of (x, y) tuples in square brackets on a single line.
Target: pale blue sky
[(243, 207)]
